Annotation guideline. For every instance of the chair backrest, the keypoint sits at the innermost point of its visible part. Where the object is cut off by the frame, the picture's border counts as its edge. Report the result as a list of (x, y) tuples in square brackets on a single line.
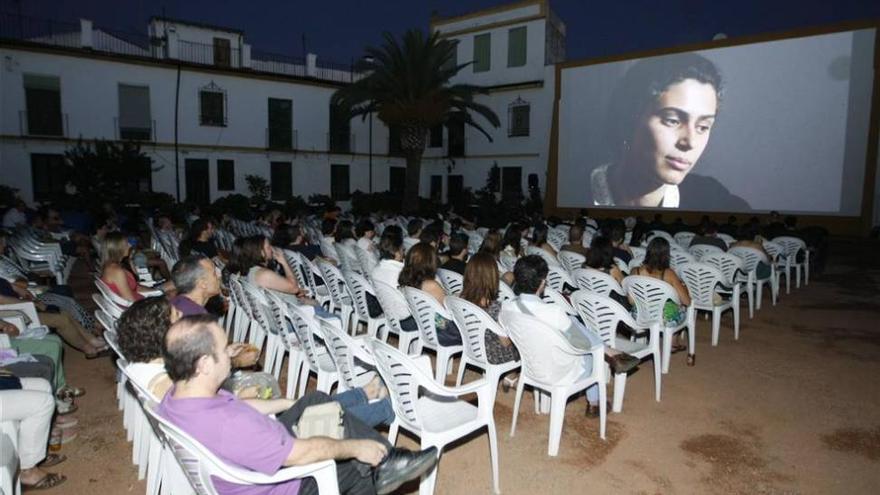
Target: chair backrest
[(552, 296), (296, 265), (570, 261), (702, 280), (558, 278), (749, 256), (360, 287), (348, 259), (660, 233), (729, 265), (278, 312), (701, 250), (537, 251), (390, 299), (507, 262), (505, 292), (402, 377), (473, 323), (727, 238), (636, 261), (546, 355), (775, 250), (108, 294), (106, 306), (621, 265), (597, 282), (601, 314), (367, 259), (679, 257), (334, 281), (306, 326), (452, 281), (424, 308), (345, 351), (474, 242), (790, 246), (259, 307), (650, 295), (105, 320), (683, 239)]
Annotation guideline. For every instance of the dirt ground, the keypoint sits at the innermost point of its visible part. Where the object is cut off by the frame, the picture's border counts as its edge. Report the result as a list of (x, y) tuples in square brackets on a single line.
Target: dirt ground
[(793, 406)]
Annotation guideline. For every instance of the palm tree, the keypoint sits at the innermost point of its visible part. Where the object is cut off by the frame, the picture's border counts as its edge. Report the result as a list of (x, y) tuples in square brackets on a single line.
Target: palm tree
[(407, 86)]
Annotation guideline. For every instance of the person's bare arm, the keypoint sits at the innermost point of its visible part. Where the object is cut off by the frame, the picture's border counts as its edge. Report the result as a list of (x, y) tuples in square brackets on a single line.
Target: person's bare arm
[(270, 280), (316, 449), (683, 295), (269, 406), (116, 275), (433, 288)]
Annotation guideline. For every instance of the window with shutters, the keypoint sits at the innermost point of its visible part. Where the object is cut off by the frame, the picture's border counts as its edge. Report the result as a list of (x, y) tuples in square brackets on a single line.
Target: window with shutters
[(212, 106), (437, 188), (436, 137), (339, 182), (281, 179), (518, 118), (43, 104), (222, 52), (482, 52), (135, 120), (456, 140), (516, 47), (340, 130), (48, 175)]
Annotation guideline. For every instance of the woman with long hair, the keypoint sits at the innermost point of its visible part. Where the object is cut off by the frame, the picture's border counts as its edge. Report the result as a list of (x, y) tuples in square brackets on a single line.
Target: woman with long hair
[(539, 238), (480, 287), (419, 270), (601, 257), (252, 258)]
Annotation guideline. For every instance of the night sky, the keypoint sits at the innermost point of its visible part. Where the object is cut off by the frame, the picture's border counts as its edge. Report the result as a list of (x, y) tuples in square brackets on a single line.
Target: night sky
[(338, 30)]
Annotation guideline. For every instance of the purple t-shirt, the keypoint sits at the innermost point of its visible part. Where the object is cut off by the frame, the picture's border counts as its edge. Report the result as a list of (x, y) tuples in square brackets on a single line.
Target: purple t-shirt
[(187, 306), (236, 433)]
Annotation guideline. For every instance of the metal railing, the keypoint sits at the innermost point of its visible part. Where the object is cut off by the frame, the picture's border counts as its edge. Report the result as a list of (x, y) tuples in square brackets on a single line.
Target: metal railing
[(42, 124), (42, 31), (281, 138), (341, 142), (204, 54), (278, 63)]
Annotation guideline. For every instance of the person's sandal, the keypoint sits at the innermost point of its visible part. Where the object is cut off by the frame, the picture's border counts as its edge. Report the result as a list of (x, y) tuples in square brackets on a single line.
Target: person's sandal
[(53, 460), (63, 407), (691, 359), (68, 392), (51, 480)]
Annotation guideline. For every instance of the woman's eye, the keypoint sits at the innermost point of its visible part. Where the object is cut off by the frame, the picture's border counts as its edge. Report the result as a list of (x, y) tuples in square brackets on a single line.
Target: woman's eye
[(703, 128), (669, 121)]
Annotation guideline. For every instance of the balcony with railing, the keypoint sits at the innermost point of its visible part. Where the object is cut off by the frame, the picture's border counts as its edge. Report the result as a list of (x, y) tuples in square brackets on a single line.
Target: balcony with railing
[(340, 142), (281, 138), (42, 124)]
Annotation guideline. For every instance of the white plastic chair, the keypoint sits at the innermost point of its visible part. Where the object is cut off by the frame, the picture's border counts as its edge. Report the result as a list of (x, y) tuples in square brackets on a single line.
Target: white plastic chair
[(346, 352), (340, 298), (201, 466), (597, 282), (9, 483), (360, 287), (537, 251), (474, 322), (558, 279), (289, 342), (438, 417), (389, 297), (451, 281), (505, 292), (424, 307), (781, 262), (660, 233), (552, 296), (754, 285), (702, 250), (318, 361), (368, 260), (684, 239), (551, 364), (570, 261), (678, 257), (791, 247), (650, 295), (602, 315), (703, 282), (732, 268)]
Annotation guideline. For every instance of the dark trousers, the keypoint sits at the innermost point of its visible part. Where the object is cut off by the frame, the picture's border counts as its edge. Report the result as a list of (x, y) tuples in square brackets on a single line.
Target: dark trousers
[(43, 368), (354, 477)]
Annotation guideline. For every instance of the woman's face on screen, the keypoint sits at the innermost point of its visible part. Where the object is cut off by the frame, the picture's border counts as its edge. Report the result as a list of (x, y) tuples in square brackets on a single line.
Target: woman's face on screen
[(676, 129)]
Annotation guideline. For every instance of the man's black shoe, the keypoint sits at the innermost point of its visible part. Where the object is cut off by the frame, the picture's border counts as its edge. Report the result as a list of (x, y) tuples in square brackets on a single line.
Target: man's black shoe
[(400, 466)]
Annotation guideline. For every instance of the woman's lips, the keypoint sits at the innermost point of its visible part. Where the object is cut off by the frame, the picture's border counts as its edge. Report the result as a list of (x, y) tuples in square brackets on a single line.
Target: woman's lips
[(679, 164)]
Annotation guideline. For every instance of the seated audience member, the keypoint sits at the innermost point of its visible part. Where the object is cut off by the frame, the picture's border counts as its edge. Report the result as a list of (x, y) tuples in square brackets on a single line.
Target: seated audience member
[(539, 238), (748, 237), (291, 237), (117, 272), (197, 361), (328, 233), (388, 272), (457, 254), (491, 244), (66, 325), (730, 228), (366, 231), (617, 234), (344, 233), (413, 232), (601, 257), (196, 281), (480, 287), (32, 407), (708, 236), (252, 261), (419, 270), (199, 240), (575, 241), (656, 265), (15, 216)]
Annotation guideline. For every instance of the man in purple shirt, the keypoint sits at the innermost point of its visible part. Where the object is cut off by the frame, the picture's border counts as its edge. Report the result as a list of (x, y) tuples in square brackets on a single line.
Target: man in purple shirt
[(240, 432), (196, 281)]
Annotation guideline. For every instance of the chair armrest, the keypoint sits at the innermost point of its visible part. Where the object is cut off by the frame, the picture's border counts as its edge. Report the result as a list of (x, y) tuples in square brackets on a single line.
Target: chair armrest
[(24, 309), (284, 474), (442, 390)]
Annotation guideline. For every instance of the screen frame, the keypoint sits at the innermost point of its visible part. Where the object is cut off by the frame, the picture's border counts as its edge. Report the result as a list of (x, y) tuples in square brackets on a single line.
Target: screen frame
[(834, 222)]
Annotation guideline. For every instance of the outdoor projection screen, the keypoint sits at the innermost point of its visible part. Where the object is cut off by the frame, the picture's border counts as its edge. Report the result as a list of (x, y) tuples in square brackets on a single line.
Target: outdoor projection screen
[(786, 129)]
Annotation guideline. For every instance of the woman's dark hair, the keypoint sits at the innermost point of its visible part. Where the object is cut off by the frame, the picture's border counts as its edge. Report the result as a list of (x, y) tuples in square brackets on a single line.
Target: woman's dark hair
[(363, 227), (601, 254), (491, 244), (513, 238), (539, 234), (285, 235), (480, 280), (657, 254), (142, 329), (195, 231), (528, 272), (344, 230), (420, 265), (247, 253), (645, 81), (391, 242)]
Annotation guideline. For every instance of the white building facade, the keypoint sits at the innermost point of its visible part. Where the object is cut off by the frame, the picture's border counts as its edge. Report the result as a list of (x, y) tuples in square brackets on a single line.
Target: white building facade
[(241, 112)]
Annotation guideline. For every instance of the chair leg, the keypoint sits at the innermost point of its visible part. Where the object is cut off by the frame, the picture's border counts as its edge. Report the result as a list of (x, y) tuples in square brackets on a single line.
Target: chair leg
[(667, 350), (657, 373), (557, 418), (462, 364), (303, 379), (750, 292), (603, 414), (736, 322), (429, 479), (493, 454), (716, 325), (520, 386), (619, 390), (392, 432), (759, 294), (294, 363)]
